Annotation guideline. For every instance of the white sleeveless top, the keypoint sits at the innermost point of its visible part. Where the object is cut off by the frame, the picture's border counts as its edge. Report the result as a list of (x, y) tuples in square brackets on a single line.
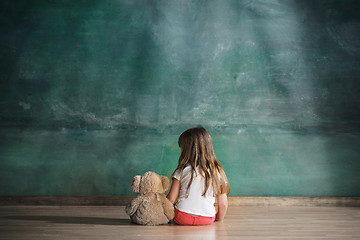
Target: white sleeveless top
[(194, 203)]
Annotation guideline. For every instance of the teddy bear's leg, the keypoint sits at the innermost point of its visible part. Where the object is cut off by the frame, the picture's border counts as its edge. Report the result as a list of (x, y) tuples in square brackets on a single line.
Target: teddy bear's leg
[(133, 206)]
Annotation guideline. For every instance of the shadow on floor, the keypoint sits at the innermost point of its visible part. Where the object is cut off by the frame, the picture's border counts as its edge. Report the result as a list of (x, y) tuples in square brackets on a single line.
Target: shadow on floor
[(74, 220)]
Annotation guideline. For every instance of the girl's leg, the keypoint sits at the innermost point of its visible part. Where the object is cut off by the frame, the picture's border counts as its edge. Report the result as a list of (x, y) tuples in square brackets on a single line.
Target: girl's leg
[(204, 220), (183, 218)]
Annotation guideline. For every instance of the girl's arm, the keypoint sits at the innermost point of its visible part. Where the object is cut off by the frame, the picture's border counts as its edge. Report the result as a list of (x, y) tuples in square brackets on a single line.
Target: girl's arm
[(222, 207), (174, 191)]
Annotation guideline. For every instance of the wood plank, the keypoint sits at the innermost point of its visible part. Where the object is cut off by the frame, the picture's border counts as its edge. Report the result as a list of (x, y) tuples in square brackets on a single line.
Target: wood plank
[(124, 200), (66, 200), (241, 222), (295, 201)]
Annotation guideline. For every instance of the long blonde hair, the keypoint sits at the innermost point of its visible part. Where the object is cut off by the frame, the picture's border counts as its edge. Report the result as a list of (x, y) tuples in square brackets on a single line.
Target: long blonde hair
[(197, 151)]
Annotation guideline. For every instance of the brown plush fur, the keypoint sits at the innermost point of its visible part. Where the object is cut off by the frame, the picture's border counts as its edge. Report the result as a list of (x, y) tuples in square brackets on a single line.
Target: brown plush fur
[(150, 207)]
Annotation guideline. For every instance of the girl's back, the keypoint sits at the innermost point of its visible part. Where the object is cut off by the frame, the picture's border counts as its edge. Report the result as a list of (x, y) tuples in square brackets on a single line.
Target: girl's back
[(193, 202)]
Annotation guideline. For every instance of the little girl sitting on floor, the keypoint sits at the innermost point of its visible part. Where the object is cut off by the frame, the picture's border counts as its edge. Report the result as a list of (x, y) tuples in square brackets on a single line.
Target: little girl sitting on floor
[(198, 180)]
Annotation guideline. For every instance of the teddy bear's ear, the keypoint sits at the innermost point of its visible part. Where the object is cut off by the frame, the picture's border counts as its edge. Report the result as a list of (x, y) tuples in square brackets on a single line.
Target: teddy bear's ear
[(165, 182), (135, 185)]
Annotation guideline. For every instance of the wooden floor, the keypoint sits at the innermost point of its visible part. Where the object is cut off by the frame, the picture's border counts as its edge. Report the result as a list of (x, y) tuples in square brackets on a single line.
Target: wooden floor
[(241, 222)]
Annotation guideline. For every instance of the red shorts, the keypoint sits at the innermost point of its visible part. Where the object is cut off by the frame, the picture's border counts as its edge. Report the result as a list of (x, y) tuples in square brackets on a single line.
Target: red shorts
[(183, 218)]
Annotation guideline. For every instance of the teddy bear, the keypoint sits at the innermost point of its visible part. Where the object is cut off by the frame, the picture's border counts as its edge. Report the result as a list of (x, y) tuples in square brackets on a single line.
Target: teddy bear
[(150, 207)]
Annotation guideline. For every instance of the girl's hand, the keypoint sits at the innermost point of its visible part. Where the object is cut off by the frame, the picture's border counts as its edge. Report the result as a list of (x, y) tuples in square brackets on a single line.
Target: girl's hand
[(174, 191), (222, 207)]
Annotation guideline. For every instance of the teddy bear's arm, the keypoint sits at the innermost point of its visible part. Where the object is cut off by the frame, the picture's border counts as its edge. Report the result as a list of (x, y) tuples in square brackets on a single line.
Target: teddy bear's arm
[(168, 208), (133, 206)]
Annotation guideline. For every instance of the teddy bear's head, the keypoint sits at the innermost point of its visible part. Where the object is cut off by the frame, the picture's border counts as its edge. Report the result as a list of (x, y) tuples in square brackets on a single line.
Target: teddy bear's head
[(150, 182)]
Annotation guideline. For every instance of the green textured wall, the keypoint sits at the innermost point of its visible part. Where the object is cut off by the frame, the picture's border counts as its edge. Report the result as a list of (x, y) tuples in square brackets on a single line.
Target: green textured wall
[(95, 92)]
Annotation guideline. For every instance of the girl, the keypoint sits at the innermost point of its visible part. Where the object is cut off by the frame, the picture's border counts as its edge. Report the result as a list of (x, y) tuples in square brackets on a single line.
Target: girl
[(197, 180)]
